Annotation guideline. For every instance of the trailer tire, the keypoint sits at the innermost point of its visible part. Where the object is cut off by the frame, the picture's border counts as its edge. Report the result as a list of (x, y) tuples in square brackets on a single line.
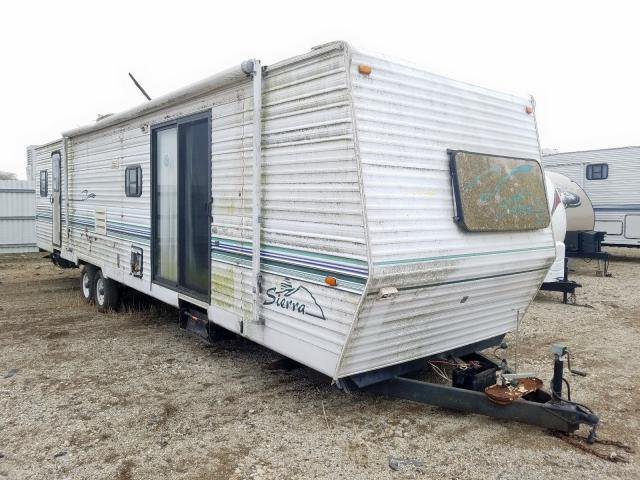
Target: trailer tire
[(88, 283), (107, 293)]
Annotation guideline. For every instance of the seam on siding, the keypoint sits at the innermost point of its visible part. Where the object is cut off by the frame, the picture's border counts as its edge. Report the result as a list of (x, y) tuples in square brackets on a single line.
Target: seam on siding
[(462, 255), (348, 59), (475, 279)]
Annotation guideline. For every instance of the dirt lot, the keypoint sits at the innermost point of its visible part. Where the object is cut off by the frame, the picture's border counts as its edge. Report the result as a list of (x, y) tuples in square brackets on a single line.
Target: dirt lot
[(128, 395)]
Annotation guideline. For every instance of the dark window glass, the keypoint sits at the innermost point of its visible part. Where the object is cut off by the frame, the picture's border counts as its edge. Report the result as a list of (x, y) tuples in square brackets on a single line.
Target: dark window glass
[(133, 181), (598, 171), (194, 155), (43, 183)]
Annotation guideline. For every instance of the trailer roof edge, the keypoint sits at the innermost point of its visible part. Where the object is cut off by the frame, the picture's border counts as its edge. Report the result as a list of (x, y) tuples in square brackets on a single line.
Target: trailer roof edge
[(213, 82)]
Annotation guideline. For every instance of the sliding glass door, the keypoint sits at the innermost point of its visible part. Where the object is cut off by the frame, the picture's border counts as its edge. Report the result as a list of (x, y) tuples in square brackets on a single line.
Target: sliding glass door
[(181, 205)]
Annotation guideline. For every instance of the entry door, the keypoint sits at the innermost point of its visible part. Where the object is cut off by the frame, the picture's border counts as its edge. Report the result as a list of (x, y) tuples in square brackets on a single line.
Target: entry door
[(55, 199), (181, 219)]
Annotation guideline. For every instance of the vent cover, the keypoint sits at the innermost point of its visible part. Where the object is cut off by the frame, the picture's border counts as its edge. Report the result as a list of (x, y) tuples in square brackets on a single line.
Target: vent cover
[(101, 221)]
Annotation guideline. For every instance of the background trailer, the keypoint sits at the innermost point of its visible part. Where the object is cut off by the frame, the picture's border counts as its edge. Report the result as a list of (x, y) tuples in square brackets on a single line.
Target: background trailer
[(611, 179)]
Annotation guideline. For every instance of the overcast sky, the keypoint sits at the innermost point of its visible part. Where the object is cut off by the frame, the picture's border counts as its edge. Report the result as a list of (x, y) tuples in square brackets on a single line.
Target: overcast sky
[(63, 63)]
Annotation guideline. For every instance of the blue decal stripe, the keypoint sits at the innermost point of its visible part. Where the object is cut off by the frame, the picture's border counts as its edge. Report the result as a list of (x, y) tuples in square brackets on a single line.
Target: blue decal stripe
[(348, 270), (314, 273), (296, 259)]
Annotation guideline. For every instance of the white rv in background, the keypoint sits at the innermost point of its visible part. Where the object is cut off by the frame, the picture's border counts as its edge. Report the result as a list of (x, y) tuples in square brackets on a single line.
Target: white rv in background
[(349, 211), (559, 225), (611, 179)]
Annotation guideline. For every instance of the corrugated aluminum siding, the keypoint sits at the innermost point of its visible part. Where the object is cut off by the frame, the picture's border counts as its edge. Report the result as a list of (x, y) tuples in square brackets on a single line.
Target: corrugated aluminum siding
[(621, 188), (312, 213), (17, 216), (455, 287)]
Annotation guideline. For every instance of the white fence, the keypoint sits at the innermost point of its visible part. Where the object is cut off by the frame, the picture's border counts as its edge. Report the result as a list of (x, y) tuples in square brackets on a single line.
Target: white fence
[(17, 216)]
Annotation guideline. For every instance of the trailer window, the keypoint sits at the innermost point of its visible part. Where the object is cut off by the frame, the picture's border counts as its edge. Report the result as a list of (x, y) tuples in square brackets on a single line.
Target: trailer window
[(55, 171), (133, 181), (494, 193), (43, 183), (597, 171)]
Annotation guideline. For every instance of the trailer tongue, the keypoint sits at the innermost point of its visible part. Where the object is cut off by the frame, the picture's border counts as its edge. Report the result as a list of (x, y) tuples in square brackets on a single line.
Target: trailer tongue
[(482, 386)]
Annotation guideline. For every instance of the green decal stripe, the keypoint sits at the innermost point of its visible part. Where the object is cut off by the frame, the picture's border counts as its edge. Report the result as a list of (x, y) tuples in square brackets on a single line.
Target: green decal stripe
[(320, 273), (475, 279), (461, 255), (248, 244)]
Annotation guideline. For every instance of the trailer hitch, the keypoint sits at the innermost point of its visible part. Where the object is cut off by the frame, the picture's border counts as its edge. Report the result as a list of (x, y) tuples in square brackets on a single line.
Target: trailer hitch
[(535, 407)]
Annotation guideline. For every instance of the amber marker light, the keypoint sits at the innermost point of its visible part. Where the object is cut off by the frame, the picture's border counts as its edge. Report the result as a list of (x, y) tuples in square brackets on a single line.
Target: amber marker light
[(528, 109), (331, 281), (365, 69)]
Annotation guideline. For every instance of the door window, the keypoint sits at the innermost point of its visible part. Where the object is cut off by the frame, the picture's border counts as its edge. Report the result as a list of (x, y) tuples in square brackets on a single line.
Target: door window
[(55, 174), (43, 183)]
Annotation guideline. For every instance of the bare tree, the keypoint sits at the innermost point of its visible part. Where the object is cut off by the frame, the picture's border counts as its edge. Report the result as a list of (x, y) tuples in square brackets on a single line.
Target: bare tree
[(7, 175)]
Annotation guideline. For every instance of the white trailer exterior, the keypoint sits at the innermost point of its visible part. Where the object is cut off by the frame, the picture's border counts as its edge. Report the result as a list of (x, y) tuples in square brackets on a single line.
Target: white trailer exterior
[(354, 188), (615, 198)]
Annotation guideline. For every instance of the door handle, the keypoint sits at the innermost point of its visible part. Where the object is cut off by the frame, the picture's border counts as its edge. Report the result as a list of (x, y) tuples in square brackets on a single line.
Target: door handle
[(51, 199), (209, 209)]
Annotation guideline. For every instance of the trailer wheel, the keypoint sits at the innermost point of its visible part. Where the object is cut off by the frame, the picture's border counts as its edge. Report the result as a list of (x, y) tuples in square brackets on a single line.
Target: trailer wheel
[(88, 283), (107, 293)]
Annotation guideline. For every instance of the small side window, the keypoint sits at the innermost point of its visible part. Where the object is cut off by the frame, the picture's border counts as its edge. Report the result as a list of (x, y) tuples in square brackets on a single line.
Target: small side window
[(43, 183), (133, 181), (597, 171)]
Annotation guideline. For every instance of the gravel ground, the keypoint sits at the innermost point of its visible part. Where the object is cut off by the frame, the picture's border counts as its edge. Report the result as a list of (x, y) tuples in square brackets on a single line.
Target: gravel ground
[(128, 395)]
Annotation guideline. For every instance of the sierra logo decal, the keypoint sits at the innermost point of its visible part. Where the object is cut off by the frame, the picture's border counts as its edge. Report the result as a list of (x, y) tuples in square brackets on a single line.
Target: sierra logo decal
[(296, 299), (86, 195)]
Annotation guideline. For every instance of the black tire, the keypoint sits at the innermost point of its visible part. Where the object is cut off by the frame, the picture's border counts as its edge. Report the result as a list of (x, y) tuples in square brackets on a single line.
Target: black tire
[(107, 293), (88, 283)]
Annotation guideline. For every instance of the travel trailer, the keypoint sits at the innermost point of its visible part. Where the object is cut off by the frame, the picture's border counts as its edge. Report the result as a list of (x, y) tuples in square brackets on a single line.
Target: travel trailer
[(579, 214), (346, 210), (559, 226), (580, 238), (611, 178)]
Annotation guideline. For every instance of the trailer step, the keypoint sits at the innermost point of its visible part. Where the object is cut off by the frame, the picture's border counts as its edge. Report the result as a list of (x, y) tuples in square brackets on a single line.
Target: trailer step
[(197, 322)]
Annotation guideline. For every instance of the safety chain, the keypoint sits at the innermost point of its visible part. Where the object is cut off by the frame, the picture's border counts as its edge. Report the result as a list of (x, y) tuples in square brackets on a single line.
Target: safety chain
[(582, 444)]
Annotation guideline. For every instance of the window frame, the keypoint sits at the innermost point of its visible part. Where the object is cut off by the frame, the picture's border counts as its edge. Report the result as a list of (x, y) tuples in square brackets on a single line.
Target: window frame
[(138, 181), (603, 169), (44, 192), (468, 222)]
